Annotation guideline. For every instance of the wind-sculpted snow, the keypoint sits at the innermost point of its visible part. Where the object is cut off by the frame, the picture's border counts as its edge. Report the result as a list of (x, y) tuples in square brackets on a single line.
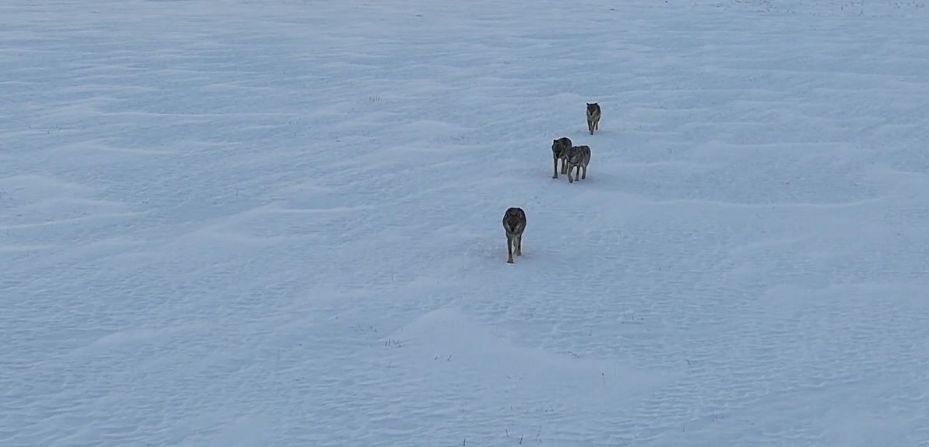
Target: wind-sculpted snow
[(278, 223)]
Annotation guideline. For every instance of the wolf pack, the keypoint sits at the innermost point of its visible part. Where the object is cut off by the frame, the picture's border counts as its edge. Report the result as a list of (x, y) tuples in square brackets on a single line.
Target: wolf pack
[(573, 158)]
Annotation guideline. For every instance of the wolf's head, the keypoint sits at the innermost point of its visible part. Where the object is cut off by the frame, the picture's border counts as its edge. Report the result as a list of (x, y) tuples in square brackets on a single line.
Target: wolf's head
[(561, 146), (513, 217), (576, 155)]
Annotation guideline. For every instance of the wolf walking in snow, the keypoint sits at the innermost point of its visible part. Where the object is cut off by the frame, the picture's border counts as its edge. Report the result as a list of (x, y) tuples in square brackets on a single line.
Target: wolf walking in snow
[(514, 222), (560, 149), (593, 117), (578, 157)]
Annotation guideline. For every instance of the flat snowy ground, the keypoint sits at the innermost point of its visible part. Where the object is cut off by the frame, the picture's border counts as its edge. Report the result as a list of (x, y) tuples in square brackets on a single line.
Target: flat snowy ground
[(231, 223)]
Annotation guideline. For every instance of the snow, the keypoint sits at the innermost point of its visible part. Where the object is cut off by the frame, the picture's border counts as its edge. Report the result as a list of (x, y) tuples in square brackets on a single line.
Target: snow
[(243, 223)]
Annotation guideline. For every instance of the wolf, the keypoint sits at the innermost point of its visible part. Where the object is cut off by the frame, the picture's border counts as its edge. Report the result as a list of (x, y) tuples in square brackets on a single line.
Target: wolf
[(578, 157), (593, 117), (514, 222), (559, 152)]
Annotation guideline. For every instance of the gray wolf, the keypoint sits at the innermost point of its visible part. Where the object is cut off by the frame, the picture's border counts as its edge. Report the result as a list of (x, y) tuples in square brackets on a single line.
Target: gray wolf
[(578, 157), (593, 117), (560, 149), (514, 222)]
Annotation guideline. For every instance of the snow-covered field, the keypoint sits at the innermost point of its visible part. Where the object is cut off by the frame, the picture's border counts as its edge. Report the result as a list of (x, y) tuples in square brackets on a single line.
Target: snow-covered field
[(244, 223)]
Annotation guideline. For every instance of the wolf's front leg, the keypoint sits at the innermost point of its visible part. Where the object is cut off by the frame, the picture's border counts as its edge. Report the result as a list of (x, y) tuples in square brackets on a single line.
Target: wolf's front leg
[(555, 163), (509, 249), (519, 245)]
